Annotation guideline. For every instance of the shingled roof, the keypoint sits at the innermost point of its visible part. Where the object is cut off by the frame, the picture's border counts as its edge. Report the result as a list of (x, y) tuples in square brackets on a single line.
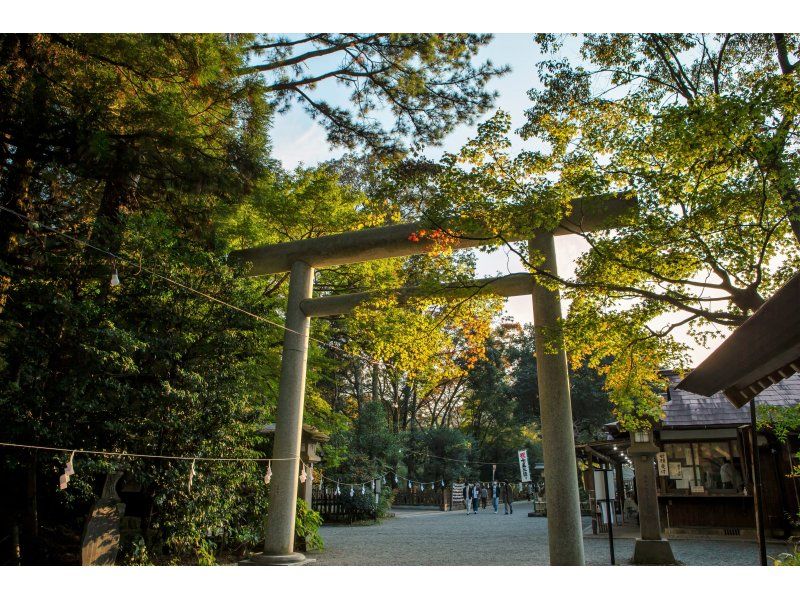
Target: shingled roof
[(688, 410)]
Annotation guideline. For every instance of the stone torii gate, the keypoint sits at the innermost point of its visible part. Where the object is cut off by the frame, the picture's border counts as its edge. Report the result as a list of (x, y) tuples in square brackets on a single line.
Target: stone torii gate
[(299, 258)]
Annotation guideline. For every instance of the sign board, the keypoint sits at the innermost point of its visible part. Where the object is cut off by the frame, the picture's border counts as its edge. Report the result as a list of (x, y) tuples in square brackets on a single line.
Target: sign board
[(458, 493), (524, 467), (675, 470), (663, 465), (600, 491)]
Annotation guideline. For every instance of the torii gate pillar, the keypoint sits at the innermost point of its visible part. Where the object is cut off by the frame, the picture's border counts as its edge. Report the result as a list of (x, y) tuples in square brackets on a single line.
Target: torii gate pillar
[(279, 535), (564, 529)]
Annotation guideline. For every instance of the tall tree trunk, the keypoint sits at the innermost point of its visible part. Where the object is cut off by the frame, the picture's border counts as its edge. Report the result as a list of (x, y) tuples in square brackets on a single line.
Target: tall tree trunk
[(119, 196), (376, 372)]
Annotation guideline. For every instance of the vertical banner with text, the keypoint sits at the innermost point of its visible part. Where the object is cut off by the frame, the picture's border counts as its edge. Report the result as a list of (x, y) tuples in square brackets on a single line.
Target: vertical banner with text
[(524, 468)]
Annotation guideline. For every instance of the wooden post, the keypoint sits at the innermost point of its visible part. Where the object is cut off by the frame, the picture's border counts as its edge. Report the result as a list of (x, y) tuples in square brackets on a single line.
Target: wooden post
[(757, 500)]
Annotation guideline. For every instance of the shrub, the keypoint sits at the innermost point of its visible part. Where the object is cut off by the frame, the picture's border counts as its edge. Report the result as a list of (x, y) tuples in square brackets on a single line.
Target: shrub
[(306, 528)]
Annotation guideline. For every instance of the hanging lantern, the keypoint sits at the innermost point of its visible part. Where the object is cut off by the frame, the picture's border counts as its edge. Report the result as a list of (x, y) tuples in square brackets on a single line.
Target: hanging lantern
[(268, 474)]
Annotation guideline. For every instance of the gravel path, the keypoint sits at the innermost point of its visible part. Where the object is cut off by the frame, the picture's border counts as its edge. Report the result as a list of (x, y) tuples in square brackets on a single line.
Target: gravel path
[(419, 537)]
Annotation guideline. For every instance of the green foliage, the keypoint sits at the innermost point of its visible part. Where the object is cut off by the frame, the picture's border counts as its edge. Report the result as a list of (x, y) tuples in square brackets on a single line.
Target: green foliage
[(364, 504), (439, 454), (385, 500), (306, 529), (779, 420), (136, 553), (788, 559), (702, 129), (782, 421), (427, 83)]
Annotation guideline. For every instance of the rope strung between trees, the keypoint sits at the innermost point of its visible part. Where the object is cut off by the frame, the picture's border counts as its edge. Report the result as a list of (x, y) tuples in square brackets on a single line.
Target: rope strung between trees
[(142, 455), (69, 470), (115, 281), (464, 460)]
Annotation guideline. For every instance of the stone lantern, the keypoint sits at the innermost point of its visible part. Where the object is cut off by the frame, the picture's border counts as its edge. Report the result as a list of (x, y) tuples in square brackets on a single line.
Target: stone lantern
[(650, 548), (311, 441)]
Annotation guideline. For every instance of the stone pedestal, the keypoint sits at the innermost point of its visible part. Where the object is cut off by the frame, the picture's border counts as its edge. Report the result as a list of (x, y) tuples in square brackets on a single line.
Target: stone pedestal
[(260, 559)]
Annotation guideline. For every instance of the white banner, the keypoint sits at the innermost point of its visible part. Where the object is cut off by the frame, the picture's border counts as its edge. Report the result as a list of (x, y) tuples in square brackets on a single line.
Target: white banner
[(458, 493), (524, 468)]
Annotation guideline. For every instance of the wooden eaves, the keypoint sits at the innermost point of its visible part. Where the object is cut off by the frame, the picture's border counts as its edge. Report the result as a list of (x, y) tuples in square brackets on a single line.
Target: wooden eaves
[(761, 352)]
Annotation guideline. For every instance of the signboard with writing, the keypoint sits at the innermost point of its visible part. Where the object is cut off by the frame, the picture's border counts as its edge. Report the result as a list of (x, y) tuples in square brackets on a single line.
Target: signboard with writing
[(524, 467), (675, 470), (663, 465), (458, 493)]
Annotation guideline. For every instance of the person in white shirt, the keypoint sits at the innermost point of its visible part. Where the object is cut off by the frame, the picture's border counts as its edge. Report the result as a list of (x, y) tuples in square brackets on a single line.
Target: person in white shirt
[(729, 475), (476, 495)]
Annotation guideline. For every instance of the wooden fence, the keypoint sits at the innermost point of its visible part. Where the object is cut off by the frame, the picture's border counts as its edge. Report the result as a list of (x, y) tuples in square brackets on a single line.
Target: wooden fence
[(438, 497), (337, 508)]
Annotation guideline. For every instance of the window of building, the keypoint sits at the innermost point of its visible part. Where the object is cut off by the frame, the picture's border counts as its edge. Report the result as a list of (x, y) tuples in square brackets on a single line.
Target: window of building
[(712, 467)]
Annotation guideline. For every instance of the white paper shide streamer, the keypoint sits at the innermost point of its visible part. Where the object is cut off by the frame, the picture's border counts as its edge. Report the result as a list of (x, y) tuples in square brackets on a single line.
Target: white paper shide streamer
[(69, 470), (268, 474)]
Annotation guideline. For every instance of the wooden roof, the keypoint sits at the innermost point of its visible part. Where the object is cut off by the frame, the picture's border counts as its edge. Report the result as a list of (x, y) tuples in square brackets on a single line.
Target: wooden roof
[(760, 353), (686, 409), (311, 431)]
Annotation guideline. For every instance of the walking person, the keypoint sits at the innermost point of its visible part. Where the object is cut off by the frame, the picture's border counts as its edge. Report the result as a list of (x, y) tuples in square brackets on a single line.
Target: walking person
[(484, 497), (495, 496), (467, 496), (508, 498), (476, 494)]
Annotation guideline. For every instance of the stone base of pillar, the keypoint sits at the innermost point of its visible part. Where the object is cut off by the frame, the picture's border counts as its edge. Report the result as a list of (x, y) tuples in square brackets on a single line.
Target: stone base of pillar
[(653, 552), (260, 559)]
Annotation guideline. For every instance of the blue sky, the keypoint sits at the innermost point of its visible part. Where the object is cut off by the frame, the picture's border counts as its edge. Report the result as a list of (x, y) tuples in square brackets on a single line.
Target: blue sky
[(297, 139)]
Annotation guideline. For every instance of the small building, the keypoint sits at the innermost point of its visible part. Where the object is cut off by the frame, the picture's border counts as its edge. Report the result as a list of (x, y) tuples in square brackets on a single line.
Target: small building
[(706, 484), (758, 360)]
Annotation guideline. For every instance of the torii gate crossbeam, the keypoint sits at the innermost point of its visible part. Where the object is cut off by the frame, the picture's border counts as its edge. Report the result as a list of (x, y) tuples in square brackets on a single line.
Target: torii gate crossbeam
[(565, 531)]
